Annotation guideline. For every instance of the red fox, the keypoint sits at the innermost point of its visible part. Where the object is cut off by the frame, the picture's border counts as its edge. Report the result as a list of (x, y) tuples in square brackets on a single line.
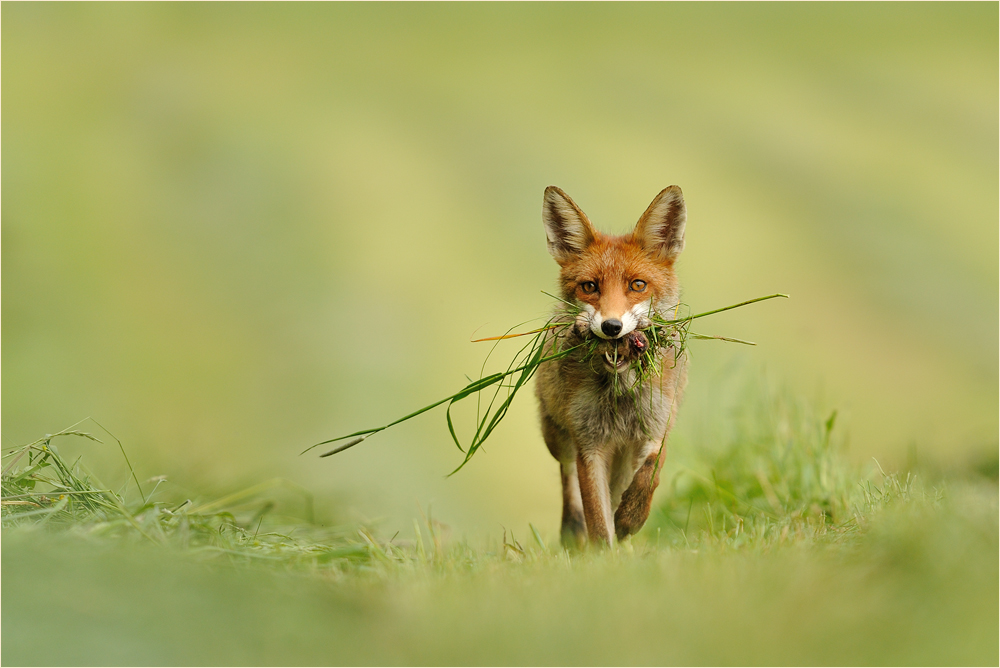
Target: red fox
[(605, 422)]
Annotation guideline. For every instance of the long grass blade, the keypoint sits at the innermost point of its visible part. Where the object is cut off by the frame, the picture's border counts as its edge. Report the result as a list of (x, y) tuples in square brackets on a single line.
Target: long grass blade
[(664, 334), (514, 336)]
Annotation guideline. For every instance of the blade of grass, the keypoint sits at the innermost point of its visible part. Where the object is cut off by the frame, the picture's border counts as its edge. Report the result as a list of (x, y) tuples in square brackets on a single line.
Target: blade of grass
[(720, 338), (538, 537), (526, 364), (127, 462), (513, 336), (469, 389), (728, 308)]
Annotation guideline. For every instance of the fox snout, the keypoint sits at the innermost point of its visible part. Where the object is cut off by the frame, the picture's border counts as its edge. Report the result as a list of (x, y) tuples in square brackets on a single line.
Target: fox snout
[(609, 324)]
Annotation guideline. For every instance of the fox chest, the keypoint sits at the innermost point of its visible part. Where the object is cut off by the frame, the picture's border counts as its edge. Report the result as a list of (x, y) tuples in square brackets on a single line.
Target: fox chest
[(604, 412), (599, 417)]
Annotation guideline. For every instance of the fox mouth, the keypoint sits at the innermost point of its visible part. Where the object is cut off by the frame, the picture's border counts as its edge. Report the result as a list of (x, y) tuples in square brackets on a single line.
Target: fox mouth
[(625, 351), (615, 361)]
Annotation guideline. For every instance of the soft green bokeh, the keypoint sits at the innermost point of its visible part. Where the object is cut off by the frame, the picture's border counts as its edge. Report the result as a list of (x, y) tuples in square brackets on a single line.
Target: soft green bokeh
[(230, 231), (919, 588)]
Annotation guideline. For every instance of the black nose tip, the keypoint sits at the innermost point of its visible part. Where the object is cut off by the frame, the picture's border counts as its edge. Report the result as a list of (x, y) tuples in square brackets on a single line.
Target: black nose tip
[(611, 327)]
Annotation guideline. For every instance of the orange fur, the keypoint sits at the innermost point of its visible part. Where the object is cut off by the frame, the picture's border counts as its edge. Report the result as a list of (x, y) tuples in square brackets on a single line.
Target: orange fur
[(606, 442), (613, 263)]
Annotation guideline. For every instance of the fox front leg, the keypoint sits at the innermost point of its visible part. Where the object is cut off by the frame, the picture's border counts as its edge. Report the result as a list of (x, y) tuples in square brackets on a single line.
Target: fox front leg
[(574, 524), (633, 511), (592, 471)]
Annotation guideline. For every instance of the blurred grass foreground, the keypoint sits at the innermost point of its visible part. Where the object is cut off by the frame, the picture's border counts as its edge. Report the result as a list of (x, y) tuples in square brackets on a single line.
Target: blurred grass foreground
[(771, 542), (233, 230)]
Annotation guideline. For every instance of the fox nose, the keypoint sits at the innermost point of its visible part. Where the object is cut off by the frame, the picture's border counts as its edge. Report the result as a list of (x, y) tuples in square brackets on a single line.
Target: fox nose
[(611, 327)]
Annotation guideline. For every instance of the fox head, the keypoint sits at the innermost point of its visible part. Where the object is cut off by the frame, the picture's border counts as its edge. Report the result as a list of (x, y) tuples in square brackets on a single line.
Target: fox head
[(616, 280)]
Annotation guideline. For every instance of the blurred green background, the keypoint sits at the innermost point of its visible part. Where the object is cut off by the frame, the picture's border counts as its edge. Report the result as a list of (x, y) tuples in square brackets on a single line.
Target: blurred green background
[(231, 231)]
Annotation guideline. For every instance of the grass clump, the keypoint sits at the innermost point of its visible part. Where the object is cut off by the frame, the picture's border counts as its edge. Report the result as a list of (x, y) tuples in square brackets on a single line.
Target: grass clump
[(782, 474), (554, 340), (41, 488)]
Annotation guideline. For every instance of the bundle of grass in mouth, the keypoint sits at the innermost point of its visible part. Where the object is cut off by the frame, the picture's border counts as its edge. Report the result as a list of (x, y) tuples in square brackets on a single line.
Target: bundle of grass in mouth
[(658, 340)]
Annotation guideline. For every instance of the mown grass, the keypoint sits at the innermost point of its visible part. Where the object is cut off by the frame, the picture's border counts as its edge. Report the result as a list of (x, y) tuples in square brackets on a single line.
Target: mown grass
[(767, 549)]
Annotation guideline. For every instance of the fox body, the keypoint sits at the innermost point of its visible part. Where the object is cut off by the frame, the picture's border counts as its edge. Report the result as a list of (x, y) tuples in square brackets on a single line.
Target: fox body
[(604, 421)]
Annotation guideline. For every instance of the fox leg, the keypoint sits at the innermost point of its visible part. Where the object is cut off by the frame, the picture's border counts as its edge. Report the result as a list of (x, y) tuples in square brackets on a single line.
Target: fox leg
[(560, 444), (574, 526), (633, 511), (592, 472)]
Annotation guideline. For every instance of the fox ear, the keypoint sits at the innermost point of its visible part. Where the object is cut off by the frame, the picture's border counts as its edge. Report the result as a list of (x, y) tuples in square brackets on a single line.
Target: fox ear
[(660, 230), (567, 228)]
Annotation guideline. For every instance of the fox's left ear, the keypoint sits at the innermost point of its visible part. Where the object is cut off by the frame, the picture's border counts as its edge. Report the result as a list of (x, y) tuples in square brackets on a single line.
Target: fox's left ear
[(660, 230)]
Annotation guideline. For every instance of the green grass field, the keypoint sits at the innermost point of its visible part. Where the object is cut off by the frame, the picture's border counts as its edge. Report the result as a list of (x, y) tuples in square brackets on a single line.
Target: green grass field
[(769, 549), (233, 230)]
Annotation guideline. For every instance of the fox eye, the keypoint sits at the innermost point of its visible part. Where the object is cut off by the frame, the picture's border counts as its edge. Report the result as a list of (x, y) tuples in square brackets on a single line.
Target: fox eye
[(638, 285), (588, 287)]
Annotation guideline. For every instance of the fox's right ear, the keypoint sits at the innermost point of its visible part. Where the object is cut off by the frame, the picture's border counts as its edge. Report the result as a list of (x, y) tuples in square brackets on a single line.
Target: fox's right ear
[(567, 228)]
